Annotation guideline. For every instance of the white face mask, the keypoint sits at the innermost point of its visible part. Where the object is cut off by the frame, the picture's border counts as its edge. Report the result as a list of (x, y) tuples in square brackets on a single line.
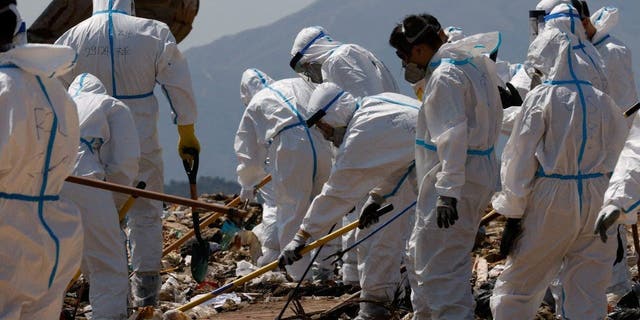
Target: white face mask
[(413, 73)]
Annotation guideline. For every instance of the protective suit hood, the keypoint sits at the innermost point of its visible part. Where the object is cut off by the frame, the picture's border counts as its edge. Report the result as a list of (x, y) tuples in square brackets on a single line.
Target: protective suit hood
[(548, 5), (43, 60), (567, 19), (465, 49), (338, 104), (556, 44), (454, 33), (86, 83), (314, 44), (604, 20), (124, 6), (253, 80)]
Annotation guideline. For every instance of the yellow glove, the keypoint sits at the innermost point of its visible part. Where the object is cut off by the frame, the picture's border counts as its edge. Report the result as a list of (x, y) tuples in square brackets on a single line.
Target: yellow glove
[(187, 139)]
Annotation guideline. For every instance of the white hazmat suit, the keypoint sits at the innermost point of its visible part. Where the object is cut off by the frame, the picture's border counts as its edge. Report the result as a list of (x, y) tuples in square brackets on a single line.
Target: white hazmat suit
[(130, 55), (273, 128), (622, 89), (616, 56), (554, 174), (108, 150), (40, 232), (457, 129), (350, 66), (355, 70), (376, 156), (624, 185), (252, 170)]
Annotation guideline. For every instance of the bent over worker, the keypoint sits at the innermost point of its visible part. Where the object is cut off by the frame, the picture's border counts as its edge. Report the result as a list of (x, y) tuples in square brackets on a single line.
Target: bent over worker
[(299, 160), (375, 160)]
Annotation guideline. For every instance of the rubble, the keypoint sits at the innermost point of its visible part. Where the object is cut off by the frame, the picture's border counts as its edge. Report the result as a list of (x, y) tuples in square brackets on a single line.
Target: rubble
[(236, 250)]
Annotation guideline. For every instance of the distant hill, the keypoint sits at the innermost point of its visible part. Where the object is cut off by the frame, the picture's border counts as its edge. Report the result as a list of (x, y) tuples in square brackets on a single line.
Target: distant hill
[(216, 68), (209, 185)]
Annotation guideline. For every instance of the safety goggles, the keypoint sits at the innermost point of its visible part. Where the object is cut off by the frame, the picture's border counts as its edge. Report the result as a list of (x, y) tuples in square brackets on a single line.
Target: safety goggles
[(295, 61), (323, 111), (412, 39)]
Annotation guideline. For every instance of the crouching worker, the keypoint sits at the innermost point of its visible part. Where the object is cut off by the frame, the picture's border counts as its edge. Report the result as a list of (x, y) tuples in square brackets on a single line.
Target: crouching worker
[(108, 150), (375, 136), (40, 232)]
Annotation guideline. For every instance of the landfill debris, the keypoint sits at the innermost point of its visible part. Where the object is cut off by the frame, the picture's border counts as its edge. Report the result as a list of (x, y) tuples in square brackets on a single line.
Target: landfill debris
[(235, 250)]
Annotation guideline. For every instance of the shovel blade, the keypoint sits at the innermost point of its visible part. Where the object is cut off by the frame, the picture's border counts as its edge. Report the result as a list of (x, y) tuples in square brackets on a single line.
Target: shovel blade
[(199, 260)]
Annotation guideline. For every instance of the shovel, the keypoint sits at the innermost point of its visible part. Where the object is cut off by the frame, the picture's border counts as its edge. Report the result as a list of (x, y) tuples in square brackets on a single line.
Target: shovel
[(271, 266), (199, 250), (211, 219)]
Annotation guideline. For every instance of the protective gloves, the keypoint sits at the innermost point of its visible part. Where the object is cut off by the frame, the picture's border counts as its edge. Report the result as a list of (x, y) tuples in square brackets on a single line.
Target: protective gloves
[(247, 194), (446, 211), (606, 218), (509, 96), (369, 214), (510, 234), (291, 252), (187, 140)]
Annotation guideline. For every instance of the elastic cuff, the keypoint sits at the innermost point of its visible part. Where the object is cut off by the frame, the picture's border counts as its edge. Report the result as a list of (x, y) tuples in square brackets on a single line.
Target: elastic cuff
[(303, 234)]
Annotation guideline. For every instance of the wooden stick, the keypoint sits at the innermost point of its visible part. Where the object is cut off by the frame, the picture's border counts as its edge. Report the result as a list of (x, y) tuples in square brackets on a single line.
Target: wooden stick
[(149, 194)]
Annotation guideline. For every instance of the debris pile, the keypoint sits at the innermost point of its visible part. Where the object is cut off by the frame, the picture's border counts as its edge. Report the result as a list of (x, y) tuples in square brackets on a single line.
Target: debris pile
[(235, 250)]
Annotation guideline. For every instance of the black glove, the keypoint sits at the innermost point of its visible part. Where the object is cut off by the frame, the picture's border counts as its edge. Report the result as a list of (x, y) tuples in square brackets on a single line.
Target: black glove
[(607, 217), (509, 96), (291, 252), (369, 215), (510, 234), (447, 211)]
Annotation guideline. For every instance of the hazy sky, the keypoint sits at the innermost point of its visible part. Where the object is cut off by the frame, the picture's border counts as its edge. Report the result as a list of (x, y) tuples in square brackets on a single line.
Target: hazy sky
[(216, 18)]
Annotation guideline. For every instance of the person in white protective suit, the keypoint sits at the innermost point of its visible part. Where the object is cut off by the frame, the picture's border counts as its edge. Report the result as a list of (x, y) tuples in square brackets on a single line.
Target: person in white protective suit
[(41, 232), (457, 171), (109, 151), (554, 174), (622, 89), (622, 198), (273, 128), (252, 81), (560, 14), (130, 55), (319, 58), (375, 137)]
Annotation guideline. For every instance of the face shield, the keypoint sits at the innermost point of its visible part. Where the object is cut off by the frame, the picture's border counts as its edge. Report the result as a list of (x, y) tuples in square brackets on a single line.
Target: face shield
[(536, 23)]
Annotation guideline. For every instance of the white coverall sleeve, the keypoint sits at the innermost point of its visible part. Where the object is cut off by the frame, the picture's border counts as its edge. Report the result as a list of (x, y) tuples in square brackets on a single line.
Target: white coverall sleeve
[(519, 163), (509, 117), (359, 167), (172, 73), (621, 68), (447, 126), (347, 76), (121, 153), (250, 152), (624, 185)]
